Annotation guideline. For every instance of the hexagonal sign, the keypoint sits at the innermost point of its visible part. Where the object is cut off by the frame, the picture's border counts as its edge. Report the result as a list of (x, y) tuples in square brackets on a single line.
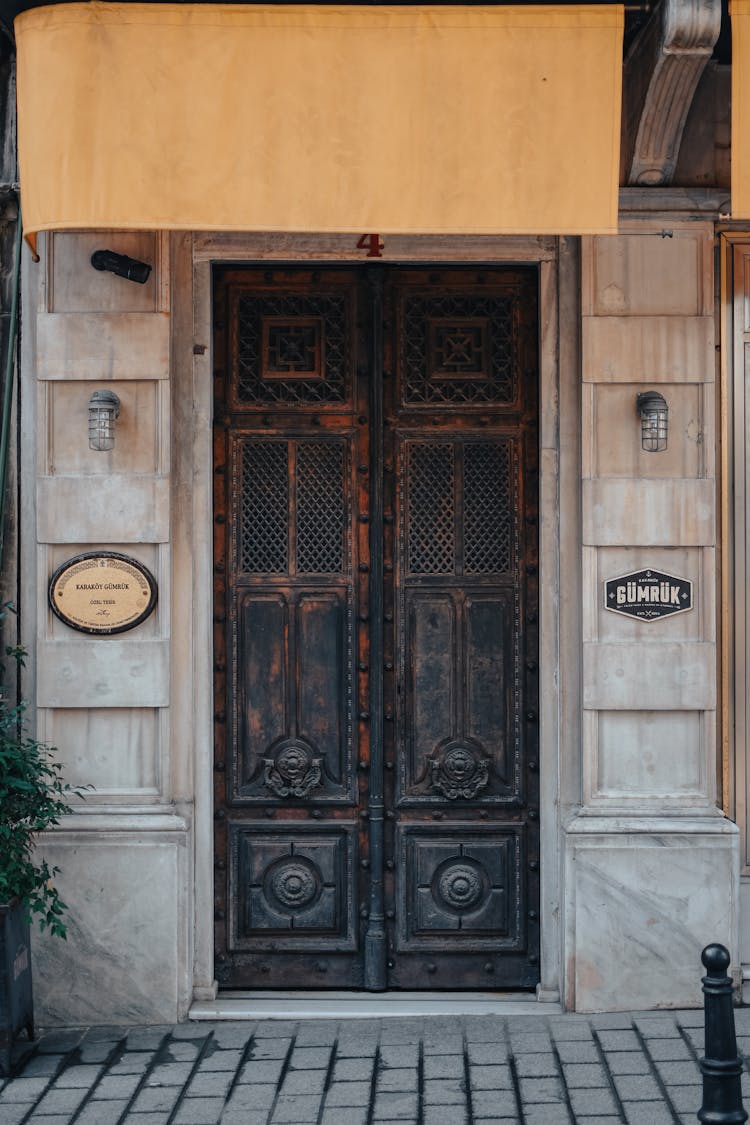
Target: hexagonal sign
[(648, 595)]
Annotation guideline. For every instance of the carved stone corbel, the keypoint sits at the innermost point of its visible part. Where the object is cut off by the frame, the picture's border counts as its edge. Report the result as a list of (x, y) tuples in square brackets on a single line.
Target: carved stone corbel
[(660, 76)]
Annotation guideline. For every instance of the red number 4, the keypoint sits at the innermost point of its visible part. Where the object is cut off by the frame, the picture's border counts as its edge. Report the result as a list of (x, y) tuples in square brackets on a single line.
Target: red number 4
[(372, 244)]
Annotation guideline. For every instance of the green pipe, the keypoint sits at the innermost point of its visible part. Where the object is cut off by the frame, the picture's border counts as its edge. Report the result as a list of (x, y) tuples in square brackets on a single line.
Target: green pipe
[(9, 370)]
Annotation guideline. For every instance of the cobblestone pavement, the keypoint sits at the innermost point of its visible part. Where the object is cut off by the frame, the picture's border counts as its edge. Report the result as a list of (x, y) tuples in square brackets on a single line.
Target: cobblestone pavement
[(638, 1069)]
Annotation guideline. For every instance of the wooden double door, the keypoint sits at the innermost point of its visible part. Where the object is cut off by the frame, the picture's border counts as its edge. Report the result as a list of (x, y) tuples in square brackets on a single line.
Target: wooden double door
[(376, 630)]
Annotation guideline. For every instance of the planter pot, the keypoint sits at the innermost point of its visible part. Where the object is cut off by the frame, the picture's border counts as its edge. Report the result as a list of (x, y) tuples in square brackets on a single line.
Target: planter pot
[(16, 1001)]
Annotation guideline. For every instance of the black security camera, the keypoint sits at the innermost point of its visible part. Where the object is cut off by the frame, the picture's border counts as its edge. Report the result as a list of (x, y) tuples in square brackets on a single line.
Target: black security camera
[(122, 265)]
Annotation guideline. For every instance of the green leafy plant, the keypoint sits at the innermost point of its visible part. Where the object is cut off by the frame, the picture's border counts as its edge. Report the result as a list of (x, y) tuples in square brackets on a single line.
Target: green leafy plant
[(33, 796)]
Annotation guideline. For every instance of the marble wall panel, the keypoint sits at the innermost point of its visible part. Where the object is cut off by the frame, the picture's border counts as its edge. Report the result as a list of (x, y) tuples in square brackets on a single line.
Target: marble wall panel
[(641, 906), (650, 757), (113, 749), (103, 672), (646, 273), (132, 508), (102, 345), (124, 958), (648, 349), (659, 676), (616, 433), (137, 432), (75, 286), (621, 512)]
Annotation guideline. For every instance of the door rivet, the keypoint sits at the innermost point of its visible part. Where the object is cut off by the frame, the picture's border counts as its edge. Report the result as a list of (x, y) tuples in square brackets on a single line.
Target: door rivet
[(532, 914), (534, 864), (489, 967), (532, 766), (389, 765), (364, 912), (531, 716), (432, 967), (364, 716), (365, 863), (391, 964), (220, 767), (364, 568), (363, 764), (390, 914), (533, 814), (364, 667), (316, 814), (390, 864)]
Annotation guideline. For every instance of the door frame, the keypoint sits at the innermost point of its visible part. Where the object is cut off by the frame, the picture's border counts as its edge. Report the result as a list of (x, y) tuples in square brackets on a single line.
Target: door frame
[(558, 262)]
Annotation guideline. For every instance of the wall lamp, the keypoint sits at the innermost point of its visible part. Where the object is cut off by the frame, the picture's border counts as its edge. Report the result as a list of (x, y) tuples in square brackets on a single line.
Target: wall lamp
[(104, 410), (121, 265), (654, 413)]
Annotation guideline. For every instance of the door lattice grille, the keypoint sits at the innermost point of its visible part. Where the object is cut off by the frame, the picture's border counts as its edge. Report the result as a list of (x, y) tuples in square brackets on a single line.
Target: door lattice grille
[(489, 506), (264, 507), (292, 349), (431, 534), (321, 509)]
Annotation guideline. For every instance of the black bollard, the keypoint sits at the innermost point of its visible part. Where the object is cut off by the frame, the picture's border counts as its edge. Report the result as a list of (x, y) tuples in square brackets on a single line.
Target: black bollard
[(722, 1067)]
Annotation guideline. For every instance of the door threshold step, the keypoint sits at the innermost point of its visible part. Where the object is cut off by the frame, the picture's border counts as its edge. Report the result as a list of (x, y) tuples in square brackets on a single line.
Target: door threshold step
[(365, 1005)]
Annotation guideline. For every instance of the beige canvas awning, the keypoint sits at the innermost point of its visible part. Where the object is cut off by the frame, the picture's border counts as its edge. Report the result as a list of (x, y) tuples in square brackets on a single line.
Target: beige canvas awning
[(306, 118)]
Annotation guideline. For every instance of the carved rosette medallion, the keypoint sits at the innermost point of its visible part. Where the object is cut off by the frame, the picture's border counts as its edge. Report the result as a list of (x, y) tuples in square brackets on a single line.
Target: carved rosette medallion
[(460, 885), (294, 771), (292, 884), (459, 770)]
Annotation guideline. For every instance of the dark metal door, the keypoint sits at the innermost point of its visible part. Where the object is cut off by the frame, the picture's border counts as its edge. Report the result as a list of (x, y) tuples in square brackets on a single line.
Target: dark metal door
[(376, 595)]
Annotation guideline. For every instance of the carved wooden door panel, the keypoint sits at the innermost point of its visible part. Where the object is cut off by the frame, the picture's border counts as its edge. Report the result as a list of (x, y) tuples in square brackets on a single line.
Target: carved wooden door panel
[(376, 795)]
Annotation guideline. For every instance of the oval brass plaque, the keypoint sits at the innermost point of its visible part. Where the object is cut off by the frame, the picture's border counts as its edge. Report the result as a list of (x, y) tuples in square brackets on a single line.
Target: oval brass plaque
[(102, 592)]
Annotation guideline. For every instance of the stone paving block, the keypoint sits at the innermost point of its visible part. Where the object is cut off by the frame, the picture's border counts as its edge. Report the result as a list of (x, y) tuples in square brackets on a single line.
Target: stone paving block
[(577, 1051), (522, 1044), (350, 1070), (243, 1117), (335, 1116), (147, 1038), (101, 1113), (199, 1111), (542, 1065), (443, 1046), (42, 1066), (252, 1097), (75, 1076), (644, 1113), (356, 1048), (310, 1058), (193, 1030), (628, 1062), (619, 1040), (546, 1115), (236, 1034), (491, 1078), (486, 1053), (679, 1073), (540, 1090), (494, 1103), (581, 1076), (224, 1059), (570, 1027), (444, 1066), (296, 1108), (131, 1062), (348, 1093), (444, 1092), (24, 1090), (686, 1098), (60, 1041), (590, 1102), (115, 1086), (407, 1055), (261, 1070), (182, 1050), (637, 1087), (669, 1049), (97, 1052), (169, 1074), (657, 1027), (396, 1104), (215, 1085), (304, 1082), (322, 1033), (49, 1119), (147, 1118), (13, 1114), (434, 1115), (411, 1030), (611, 1020), (60, 1101), (157, 1098), (404, 1078)]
